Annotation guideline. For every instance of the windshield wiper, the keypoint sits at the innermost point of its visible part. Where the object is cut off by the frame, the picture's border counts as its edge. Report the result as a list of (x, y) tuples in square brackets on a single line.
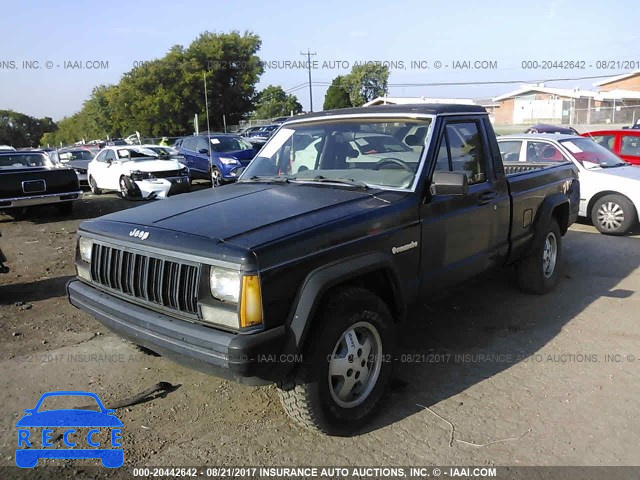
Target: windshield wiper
[(266, 179), (342, 181), (604, 165)]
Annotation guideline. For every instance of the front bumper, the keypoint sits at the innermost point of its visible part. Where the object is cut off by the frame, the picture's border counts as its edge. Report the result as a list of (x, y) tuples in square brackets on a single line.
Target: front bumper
[(39, 199), (251, 358), (163, 187)]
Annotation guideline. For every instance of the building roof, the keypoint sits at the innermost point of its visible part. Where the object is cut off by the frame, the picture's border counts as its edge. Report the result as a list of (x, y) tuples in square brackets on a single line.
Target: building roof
[(624, 76), (417, 100), (617, 94)]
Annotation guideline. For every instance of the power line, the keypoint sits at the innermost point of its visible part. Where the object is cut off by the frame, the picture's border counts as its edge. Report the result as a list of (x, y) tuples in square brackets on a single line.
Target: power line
[(308, 54)]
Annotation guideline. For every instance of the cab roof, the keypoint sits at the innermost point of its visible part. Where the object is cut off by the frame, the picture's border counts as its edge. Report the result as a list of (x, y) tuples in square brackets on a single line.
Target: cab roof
[(415, 109)]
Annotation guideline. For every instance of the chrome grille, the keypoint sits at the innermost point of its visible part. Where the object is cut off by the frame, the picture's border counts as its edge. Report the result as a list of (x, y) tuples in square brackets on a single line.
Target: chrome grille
[(164, 282)]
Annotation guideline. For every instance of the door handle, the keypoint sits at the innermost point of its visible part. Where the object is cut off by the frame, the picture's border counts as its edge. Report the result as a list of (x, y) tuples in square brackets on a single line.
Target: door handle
[(486, 197)]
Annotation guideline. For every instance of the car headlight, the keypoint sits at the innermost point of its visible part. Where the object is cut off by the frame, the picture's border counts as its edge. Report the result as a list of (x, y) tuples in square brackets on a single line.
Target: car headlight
[(225, 284), (233, 287), (184, 170), (138, 175), (85, 245), (229, 160)]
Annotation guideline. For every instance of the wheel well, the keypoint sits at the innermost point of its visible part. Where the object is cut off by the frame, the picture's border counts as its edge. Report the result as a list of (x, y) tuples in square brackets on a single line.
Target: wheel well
[(561, 214), (599, 195), (380, 283)]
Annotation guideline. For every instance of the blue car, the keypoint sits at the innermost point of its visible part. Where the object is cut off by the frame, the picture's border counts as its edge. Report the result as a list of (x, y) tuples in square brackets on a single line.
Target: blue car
[(216, 157), (28, 453)]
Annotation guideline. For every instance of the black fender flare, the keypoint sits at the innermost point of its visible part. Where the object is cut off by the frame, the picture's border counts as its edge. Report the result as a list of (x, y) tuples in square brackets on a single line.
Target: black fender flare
[(319, 281), (545, 213)]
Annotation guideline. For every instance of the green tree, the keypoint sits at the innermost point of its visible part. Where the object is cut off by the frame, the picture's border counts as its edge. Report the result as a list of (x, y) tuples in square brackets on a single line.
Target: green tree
[(337, 95), (365, 82), (21, 130), (273, 101)]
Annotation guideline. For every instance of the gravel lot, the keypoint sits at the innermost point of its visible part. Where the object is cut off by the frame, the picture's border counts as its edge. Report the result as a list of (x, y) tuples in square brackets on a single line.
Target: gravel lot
[(490, 376)]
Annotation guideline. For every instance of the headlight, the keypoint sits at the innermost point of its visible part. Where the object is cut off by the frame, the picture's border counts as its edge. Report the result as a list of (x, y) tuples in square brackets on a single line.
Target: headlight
[(85, 246), (225, 284), (138, 175), (229, 160)]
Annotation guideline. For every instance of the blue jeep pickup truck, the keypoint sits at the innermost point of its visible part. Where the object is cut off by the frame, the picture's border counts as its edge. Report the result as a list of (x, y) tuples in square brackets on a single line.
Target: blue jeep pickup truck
[(301, 272)]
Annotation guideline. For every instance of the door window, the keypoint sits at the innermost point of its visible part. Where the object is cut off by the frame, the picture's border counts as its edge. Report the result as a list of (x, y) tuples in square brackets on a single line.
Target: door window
[(543, 152), (630, 145), (463, 151), (607, 141), (510, 150)]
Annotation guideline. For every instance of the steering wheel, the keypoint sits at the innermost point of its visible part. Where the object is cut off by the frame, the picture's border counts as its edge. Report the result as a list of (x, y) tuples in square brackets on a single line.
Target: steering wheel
[(393, 161)]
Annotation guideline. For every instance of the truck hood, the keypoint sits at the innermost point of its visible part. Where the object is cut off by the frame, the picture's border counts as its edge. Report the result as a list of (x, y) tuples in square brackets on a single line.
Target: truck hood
[(247, 214)]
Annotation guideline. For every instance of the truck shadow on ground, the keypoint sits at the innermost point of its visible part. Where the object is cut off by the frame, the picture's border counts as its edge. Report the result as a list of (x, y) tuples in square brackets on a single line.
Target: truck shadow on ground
[(439, 347), (34, 291)]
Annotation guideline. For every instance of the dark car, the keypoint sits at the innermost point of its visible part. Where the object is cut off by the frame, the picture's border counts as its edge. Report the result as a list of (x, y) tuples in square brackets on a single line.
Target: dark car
[(216, 157), (76, 158), (544, 128), (303, 277), (30, 179)]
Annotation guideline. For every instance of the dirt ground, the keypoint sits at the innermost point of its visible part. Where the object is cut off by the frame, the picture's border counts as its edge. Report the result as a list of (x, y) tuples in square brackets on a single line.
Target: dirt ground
[(487, 375)]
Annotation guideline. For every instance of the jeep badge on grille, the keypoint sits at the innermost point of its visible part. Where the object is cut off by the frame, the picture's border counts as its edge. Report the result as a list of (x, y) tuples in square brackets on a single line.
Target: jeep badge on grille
[(141, 234)]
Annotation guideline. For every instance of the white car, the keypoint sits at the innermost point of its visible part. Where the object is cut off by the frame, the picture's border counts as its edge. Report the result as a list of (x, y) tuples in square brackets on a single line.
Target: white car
[(137, 171), (609, 187), (369, 148), (7, 148)]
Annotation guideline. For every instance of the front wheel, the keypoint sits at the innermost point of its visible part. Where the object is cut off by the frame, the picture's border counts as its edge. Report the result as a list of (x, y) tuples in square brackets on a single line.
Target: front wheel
[(216, 178), (346, 366), (613, 215), (94, 186), (538, 272)]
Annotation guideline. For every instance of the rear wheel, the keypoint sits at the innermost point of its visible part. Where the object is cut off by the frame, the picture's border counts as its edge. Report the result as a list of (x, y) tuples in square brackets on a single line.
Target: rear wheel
[(613, 215), (538, 272), (346, 365), (94, 186)]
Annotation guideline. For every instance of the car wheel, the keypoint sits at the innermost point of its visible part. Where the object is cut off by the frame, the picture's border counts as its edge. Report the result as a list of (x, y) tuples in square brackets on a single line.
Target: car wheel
[(538, 272), (65, 208), (216, 177), (346, 367), (94, 186), (613, 215), (127, 188)]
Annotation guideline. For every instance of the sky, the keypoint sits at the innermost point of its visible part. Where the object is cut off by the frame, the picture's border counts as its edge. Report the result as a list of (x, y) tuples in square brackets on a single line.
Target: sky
[(339, 32)]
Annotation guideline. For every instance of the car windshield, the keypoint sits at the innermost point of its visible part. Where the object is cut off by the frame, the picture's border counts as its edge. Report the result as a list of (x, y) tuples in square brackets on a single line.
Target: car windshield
[(75, 155), (21, 161), (135, 153), (377, 152), (228, 144), (162, 151), (588, 153)]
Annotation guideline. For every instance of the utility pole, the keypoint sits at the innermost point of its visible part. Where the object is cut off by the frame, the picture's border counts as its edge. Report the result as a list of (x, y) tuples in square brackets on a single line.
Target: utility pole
[(308, 54)]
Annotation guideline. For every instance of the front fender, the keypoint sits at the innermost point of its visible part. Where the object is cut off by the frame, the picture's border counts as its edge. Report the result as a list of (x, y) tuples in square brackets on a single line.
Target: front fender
[(319, 281)]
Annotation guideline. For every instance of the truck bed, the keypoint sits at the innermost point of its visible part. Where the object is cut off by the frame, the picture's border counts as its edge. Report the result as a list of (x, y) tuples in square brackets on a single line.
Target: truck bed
[(516, 168)]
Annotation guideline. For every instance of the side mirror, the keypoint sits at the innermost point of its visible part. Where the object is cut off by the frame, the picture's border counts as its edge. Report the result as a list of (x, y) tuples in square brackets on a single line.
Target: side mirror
[(203, 151), (449, 183)]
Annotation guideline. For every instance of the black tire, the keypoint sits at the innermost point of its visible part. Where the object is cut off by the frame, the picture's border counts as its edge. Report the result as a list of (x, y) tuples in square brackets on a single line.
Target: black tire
[(127, 188), (613, 215), (94, 187), (311, 396), (535, 274), (65, 208)]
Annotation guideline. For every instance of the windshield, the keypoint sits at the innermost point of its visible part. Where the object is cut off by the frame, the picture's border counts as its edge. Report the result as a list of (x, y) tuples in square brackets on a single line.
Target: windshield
[(163, 151), (228, 144), (379, 152), (587, 152), (21, 161), (75, 155), (136, 153)]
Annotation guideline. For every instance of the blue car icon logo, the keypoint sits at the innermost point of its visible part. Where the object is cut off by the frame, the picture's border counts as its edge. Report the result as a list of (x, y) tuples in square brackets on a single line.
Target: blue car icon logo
[(35, 430)]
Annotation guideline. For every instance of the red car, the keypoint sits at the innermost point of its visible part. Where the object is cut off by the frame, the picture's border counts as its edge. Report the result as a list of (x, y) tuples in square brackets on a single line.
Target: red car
[(624, 143)]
